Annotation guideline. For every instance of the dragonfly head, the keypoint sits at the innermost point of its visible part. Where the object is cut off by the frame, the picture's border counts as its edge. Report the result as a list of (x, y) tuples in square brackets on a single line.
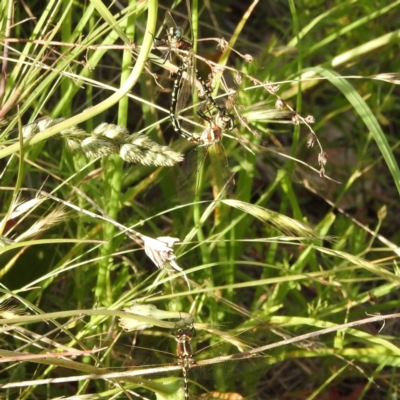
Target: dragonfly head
[(174, 34)]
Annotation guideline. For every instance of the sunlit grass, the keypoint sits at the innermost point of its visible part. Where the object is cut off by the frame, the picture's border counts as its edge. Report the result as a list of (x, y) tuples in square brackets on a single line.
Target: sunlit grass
[(287, 253)]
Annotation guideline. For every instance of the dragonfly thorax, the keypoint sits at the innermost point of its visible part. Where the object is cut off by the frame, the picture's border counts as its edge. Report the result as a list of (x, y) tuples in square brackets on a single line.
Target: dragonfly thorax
[(211, 135), (184, 349), (225, 121)]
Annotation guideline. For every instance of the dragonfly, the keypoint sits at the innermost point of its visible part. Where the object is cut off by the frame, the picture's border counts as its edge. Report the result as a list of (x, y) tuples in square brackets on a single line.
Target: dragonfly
[(179, 97), (184, 352), (174, 40), (181, 46), (183, 87), (188, 363), (217, 118), (209, 141)]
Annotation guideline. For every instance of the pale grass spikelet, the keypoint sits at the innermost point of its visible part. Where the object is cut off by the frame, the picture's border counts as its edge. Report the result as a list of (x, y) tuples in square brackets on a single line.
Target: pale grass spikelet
[(72, 145), (8, 311), (112, 131), (391, 77), (75, 131), (26, 207), (97, 146), (104, 140), (73, 138), (44, 223), (29, 131), (4, 242), (140, 148), (21, 207), (45, 123), (107, 139), (40, 125), (134, 154)]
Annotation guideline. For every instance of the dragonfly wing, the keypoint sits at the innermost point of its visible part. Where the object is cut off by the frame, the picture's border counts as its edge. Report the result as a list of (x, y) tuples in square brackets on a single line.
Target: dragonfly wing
[(185, 90), (169, 21), (190, 176), (221, 178), (217, 171)]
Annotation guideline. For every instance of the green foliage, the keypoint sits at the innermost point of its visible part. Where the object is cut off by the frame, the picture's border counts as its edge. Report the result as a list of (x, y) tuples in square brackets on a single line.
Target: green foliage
[(306, 240)]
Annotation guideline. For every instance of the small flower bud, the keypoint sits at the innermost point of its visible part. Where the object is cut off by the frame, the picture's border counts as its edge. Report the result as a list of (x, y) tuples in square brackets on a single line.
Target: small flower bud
[(222, 44), (311, 140), (295, 118), (322, 158), (248, 58), (279, 104), (238, 78), (271, 87)]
